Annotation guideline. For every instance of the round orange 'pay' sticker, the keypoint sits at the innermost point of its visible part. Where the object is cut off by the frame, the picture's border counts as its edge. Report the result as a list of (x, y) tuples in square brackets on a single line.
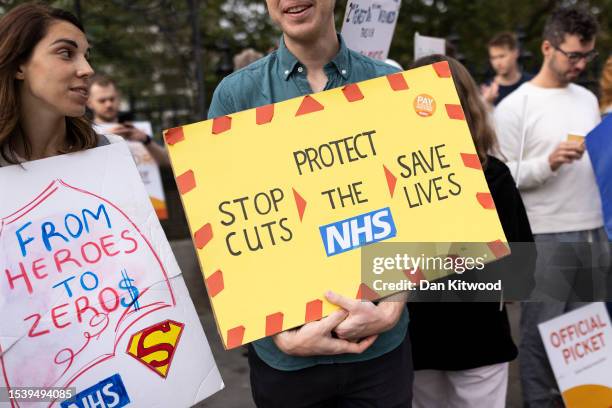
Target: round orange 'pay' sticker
[(424, 105)]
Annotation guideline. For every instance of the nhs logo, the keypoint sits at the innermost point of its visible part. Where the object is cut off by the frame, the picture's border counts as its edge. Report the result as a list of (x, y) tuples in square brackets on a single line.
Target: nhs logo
[(108, 393), (357, 231)]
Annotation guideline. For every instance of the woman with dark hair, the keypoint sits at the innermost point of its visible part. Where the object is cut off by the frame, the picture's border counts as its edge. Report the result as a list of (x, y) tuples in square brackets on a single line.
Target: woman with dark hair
[(461, 350), (43, 84)]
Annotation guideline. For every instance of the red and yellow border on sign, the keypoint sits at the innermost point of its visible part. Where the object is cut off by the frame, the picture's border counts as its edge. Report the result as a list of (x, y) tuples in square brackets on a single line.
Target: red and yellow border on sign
[(224, 164)]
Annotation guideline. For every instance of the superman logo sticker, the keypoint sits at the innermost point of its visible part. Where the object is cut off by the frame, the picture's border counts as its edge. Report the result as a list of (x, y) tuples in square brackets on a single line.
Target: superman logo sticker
[(155, 345)]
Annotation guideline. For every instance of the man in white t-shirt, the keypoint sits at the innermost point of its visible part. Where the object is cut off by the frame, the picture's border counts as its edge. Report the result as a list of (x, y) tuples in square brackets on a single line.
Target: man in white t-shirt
[(558, 187)]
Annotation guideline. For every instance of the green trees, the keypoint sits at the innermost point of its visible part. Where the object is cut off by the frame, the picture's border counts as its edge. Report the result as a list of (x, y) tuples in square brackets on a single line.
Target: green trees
[(470, 24), (167, 72)]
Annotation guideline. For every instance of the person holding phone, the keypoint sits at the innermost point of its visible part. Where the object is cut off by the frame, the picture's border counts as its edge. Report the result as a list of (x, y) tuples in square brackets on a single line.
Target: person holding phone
[(104, 100)]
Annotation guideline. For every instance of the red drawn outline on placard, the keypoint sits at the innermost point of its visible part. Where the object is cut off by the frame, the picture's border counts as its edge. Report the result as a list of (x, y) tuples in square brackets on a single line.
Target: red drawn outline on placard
[(32, 203), (44, 195)]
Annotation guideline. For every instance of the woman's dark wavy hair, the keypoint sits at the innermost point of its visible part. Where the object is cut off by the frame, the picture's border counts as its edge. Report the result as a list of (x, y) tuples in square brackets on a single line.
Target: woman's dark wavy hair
[(20, 30), (473, 106)]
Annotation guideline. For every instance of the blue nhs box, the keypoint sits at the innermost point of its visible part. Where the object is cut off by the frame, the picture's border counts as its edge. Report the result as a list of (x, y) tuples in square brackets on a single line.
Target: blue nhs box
[(108, 393), (354, 232)]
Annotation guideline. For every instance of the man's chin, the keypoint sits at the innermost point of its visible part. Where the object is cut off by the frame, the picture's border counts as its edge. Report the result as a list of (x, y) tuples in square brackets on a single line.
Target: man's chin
[(572, 77), (108, 118), (304, 32)]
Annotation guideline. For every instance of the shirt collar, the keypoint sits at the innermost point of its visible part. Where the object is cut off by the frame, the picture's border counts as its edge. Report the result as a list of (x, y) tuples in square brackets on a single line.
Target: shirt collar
[(341, 60), (288, 61)]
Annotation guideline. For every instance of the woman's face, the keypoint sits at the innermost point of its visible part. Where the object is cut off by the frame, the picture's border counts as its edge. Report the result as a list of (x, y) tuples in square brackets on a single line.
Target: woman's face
[(55, 77)]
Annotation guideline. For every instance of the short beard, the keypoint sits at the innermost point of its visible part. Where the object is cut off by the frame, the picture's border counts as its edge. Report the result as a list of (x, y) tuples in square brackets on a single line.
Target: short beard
[(106, 118), (559, 76)]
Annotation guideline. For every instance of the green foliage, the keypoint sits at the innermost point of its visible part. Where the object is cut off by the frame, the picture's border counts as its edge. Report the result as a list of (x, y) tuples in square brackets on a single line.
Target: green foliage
[(149, 48), (473, 23)]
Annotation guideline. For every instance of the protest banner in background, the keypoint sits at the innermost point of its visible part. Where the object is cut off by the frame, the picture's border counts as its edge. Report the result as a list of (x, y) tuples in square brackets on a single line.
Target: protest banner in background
[(369, 25), (91, 296), (279, 197), (424, 46), (600, 151), (146, 165), (579, 348)]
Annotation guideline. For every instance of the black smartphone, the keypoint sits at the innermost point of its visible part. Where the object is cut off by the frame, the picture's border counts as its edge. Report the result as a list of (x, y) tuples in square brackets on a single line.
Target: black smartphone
[(123, 117)]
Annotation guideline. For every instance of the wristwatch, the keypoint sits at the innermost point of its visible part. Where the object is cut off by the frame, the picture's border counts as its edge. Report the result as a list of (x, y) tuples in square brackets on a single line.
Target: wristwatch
[(147, 141)]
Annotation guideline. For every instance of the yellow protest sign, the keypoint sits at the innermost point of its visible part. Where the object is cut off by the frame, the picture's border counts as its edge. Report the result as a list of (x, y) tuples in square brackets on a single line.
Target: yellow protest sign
[(280, 198)]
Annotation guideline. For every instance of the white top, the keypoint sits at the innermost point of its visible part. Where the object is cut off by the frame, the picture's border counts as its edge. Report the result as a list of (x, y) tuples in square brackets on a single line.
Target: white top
[(560, 201), (111, 139)]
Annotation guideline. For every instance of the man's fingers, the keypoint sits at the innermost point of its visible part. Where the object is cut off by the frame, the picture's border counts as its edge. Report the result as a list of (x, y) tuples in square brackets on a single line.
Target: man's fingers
[(562, 159), (573, 146), (572, 154), (563, 155), (283, 338), (121, 132), (342, 330), (363, 345), (569, 155), (571, 143), (340, 346), (342, 301), (334, 319)]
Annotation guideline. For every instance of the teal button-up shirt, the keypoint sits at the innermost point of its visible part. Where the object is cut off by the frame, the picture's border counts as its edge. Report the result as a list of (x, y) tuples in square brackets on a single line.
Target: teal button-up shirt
[(275, 78)]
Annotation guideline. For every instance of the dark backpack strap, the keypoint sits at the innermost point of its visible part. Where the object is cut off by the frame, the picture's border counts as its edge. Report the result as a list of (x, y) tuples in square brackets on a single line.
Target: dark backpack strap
[(102, 141)]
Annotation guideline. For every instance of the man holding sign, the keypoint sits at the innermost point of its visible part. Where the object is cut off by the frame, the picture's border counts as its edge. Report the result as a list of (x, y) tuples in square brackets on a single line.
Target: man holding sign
[(538, 125), (357, 355)]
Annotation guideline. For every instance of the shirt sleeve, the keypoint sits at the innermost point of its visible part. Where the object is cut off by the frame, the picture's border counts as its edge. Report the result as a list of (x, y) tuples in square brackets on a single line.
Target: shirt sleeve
[(222, 102), (112, 138), (534, 171)]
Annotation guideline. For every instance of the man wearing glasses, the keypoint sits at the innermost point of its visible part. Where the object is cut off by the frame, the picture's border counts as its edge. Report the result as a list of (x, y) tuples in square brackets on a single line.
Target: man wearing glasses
[(541, 127)]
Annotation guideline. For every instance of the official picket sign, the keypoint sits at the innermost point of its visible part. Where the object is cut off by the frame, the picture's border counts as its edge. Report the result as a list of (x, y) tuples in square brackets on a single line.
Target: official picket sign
[(579, 348)]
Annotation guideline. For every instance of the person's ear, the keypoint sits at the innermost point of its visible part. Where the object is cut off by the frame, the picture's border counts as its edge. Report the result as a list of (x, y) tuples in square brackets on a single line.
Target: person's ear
[(547, 48), (19, 74)]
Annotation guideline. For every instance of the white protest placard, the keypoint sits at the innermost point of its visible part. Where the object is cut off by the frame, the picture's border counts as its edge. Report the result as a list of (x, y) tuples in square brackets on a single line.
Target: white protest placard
[(91, 296), (146, 165), (369, 25), (424, 46), (579, 348)]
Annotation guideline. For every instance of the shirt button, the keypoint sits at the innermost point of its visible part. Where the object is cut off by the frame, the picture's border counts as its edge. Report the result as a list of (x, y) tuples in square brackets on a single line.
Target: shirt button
[(344, 72), (300, 69), (287, 72)]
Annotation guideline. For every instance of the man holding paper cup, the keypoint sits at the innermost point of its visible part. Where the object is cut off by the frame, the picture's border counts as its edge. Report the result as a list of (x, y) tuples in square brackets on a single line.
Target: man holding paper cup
[(357, 356), (541, 128)]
